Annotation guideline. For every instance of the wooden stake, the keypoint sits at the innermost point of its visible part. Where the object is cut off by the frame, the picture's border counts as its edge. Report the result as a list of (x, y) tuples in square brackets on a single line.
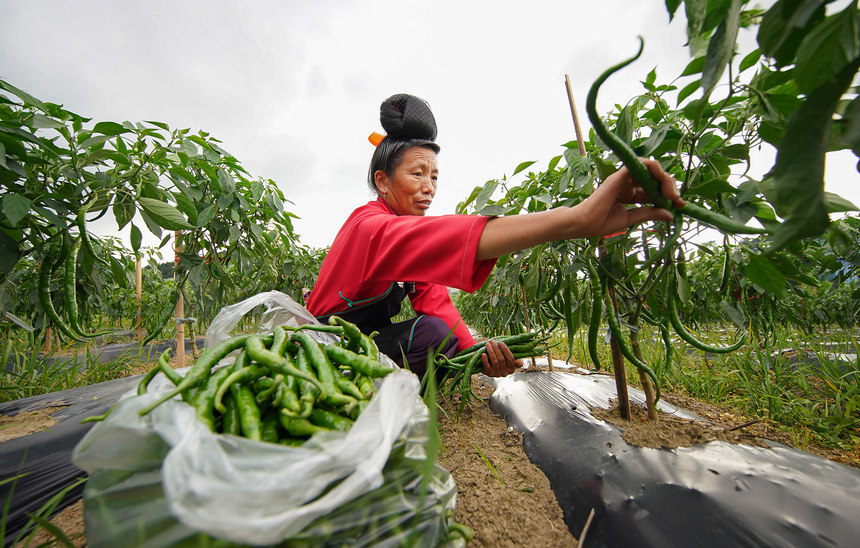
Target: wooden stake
[(138, 292), (579, 140), (180, 311), (618, 367)]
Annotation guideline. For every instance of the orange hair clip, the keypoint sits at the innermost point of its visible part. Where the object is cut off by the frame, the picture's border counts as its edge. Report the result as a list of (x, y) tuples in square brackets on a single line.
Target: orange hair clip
[(375, 138)]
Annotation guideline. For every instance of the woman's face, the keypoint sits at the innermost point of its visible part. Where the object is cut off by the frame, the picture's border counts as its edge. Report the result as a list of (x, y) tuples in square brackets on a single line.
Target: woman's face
[(410, 189)]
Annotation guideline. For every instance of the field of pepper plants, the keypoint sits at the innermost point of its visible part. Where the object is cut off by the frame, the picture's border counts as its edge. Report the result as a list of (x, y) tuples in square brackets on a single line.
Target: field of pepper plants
[(749, 299)]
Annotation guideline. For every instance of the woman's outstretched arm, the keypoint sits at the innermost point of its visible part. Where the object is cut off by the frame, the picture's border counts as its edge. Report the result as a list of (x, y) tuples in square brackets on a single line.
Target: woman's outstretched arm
[(604, 212)]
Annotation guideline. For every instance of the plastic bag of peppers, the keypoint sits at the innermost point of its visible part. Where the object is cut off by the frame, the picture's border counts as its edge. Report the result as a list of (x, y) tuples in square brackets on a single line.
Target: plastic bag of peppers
[(298, 437)]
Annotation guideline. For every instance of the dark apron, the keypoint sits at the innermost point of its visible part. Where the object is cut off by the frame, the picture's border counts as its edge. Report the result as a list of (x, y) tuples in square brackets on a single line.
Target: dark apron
[(412, 339)]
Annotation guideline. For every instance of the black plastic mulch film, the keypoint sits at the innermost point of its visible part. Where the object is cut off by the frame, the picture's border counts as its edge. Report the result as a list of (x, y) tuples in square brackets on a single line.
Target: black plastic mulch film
[(43, 459), (716, 494)]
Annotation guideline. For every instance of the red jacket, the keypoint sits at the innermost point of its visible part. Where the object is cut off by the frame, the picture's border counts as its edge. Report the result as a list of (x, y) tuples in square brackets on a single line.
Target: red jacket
[(375, 248)]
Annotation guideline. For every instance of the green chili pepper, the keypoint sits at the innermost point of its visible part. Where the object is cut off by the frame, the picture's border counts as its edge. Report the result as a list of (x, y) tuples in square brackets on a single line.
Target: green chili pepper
[(205, 400), (350, 330), (727, 266), (277, 363), (269, 427), (168, 312), (244, 374), (299, 427), (327, 419), (308, 393), (201, 370), (249, 412), (596, 314), (641, 173), (144, 383), (230, 418), (369, 346), (358, 362), (688, 337), (48, 304), (325, 371)]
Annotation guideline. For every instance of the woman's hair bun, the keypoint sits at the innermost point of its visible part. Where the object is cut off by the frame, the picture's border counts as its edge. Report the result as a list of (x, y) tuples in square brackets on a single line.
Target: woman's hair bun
[(405, 116)]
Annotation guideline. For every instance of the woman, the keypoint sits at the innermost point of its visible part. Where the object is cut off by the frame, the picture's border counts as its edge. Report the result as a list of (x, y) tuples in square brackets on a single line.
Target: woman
[(389, 249)]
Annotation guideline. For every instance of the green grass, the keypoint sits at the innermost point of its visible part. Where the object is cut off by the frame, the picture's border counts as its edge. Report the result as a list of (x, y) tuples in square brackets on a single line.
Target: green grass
[(813, 404), (34, 374)]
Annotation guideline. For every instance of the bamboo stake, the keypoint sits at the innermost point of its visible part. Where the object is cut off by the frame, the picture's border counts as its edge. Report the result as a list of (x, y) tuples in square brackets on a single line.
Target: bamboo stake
[(579, 140), (138, 292), (180, 310)]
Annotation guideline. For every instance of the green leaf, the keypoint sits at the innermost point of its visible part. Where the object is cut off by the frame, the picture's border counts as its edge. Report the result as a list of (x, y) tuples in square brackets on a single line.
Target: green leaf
[(735, 315), (764, 274), (624, 125), (225, 181), (94, 140), (40, 121), (688, 90), (696, 11), (110, 128), (721, 48), (136, 237), (750, 60), (206, 216), (828, 48), (485, 194), (671, 7), (186, 206), (163, 214), (9, 250), (521, 167), (784, 25), (795, 185), (696, 66), (256, 191), (151, 224), (683, 288), (189, 148), (838, 204), (15, 207), (23, 95), (654, 140), (495, 209), (123, 212), (55, 219)]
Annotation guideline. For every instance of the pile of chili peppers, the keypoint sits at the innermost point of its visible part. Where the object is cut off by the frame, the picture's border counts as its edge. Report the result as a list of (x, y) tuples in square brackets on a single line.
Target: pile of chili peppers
[(281, 388)]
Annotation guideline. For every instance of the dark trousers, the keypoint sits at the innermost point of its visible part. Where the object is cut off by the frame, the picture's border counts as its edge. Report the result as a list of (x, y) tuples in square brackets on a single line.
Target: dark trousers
[(415, 340)]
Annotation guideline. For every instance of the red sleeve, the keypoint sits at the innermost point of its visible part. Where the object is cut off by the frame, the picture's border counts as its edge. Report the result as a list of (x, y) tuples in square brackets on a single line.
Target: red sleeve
[(433, 300), (438, 250), (375, 248)]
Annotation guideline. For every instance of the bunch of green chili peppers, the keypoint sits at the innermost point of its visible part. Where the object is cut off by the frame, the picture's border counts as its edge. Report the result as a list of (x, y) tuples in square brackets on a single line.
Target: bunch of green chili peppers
[(281, 388)]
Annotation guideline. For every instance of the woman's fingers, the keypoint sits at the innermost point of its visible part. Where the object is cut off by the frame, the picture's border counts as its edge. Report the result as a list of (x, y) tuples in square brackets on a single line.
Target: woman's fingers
[(498, 361), (668, 184)]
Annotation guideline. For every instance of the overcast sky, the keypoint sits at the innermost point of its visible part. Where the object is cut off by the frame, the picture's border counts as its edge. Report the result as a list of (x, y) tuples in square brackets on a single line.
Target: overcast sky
[(292, 88)]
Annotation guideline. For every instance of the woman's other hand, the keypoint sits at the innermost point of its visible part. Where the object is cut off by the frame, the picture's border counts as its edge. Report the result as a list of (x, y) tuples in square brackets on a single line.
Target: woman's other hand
[(498, 360)]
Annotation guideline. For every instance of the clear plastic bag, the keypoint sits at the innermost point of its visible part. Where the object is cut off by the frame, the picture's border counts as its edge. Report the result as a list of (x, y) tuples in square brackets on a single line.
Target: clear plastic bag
[(164, 478)]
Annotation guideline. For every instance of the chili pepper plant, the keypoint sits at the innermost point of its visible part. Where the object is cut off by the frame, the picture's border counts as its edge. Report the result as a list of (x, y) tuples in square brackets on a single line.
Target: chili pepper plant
[(791, 91)]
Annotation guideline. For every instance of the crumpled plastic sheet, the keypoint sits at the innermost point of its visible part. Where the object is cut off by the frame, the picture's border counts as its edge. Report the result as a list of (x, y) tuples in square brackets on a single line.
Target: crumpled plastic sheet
[(715, 494), (164, 478)]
